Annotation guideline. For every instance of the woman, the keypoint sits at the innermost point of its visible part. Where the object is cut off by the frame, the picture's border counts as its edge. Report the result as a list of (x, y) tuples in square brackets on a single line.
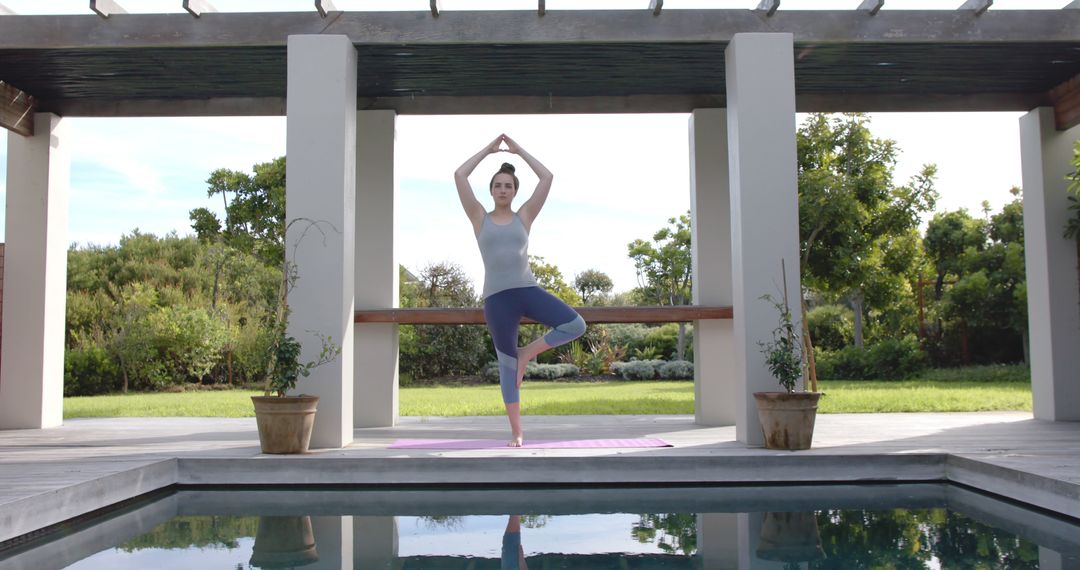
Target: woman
[(510, 289)]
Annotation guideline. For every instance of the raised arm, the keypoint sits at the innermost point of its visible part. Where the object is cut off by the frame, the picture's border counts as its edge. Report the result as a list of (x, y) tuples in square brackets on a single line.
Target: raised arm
[(531, 208), (473, 208)]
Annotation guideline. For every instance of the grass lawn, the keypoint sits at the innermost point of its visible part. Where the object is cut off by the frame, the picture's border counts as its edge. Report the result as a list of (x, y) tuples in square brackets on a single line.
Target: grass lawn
[(578, 398)]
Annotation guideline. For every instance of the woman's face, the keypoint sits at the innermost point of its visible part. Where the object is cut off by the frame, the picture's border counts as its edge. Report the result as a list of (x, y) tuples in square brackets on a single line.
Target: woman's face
[(502, 189)]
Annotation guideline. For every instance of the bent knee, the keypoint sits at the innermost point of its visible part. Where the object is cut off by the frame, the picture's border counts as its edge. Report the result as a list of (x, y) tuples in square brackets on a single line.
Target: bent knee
[(566, 332), (574, 328)]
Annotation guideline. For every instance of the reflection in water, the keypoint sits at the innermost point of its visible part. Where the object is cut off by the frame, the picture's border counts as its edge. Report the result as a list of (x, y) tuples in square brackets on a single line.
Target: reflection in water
[(822, 539), (790, 537), (513, 555), (284, 542)]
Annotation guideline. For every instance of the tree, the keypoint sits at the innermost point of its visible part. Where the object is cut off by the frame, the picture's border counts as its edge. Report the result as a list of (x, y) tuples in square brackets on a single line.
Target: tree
[(664, 268), (551, 279), (592, 282), (854, 224), (429, 351), (254, 217)]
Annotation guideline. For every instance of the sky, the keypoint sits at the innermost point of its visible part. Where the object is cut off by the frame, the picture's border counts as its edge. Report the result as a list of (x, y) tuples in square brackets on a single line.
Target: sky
[(617, 177)]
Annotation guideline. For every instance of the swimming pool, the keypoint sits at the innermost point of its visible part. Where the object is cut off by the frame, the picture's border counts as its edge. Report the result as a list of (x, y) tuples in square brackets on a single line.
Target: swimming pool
[(782, 527)]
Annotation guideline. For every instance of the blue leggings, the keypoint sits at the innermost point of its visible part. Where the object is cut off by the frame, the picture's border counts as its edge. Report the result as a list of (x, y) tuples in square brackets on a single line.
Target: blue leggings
[(503, 312)]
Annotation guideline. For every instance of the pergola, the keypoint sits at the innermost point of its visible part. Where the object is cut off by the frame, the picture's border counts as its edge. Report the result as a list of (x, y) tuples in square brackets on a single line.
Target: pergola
[(342, 78)]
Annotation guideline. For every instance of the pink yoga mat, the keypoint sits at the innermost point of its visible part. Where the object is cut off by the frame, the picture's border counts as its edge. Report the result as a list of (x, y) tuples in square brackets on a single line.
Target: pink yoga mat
[(533, 444)]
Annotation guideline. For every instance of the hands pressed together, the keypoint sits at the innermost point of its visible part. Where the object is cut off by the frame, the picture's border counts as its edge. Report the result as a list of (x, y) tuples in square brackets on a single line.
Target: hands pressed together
[(511, 146)]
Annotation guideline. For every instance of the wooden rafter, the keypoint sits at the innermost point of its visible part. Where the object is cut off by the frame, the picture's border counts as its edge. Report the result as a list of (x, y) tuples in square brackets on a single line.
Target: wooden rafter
[(16, 110), (769, 7), (977, 6), (541, 7), (324, 7), (1066, 99), (198, 7), (656, 6), (106, 8), (871, 6), (436, 7)]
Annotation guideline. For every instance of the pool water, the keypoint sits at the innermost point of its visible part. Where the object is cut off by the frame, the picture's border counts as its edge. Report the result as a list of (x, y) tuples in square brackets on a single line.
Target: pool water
[(878, 526)]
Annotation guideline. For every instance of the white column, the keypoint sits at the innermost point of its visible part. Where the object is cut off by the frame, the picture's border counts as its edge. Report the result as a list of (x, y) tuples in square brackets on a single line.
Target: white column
[(375, 542), (718, 540), (1051, 261), (375, 396), (764, 206), (710, 214), (320, 186), (35, 276), (333, 542)]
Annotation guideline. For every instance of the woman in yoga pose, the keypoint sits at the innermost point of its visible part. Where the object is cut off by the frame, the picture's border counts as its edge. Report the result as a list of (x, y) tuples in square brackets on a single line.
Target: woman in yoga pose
[(510, 289)]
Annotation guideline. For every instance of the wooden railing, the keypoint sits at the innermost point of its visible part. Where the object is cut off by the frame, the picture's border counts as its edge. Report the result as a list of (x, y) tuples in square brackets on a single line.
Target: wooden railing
[(475, 315)]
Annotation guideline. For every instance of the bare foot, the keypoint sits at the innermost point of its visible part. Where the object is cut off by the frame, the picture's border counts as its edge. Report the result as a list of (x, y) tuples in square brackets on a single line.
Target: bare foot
[(516, 441)]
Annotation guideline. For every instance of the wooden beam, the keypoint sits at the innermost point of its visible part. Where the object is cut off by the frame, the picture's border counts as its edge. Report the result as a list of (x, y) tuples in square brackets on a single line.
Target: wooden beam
[(324, 7), (1066, 99), (106, 8), (475, 315), (198, 7), (656, 6), (977, 6), (541, 7), (768, 6), (436, 7), (874, 6), (16, 110)]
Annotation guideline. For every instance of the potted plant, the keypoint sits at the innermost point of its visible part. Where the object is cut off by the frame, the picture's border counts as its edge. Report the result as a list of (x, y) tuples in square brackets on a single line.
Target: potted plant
[(285, 422), (787, 418)]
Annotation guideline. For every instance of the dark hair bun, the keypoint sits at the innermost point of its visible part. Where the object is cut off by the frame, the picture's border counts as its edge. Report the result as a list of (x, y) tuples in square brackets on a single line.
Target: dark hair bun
[(507, 167)]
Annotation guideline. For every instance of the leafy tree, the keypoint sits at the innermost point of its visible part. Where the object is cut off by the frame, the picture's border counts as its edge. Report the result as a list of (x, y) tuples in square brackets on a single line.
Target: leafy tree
[(855, 225), (254, 217), (429, 351), (664, 268), (592, 283), (988, 300), (551, 279)]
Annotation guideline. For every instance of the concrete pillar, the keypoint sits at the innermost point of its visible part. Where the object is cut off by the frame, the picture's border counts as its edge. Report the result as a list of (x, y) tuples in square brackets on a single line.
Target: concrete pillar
[(320, 191), (710, 216), (375, 542), (35, 277), (764, 207), (333, 542), (1051, 260), (718, 540), (375, 374)]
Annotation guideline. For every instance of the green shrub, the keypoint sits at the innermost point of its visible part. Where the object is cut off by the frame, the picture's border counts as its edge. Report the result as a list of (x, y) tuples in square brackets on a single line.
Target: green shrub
[(987, 373), (677, 370), (432, 351), (638, 369), (629, 336), (889, 359), (90, 370), (533, 371), (832, 327)]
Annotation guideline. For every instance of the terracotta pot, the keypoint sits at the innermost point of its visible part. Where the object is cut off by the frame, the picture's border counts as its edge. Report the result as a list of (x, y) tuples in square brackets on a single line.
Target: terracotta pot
[(787, 420), (790, 537), (284, 542), (285, 422)]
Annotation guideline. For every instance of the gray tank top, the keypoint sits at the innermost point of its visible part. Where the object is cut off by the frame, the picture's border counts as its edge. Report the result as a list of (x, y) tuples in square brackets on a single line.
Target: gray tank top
[(505, 250)]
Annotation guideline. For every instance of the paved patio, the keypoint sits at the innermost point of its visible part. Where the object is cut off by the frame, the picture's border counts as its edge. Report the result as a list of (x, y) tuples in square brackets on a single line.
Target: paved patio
[(48, 476)]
